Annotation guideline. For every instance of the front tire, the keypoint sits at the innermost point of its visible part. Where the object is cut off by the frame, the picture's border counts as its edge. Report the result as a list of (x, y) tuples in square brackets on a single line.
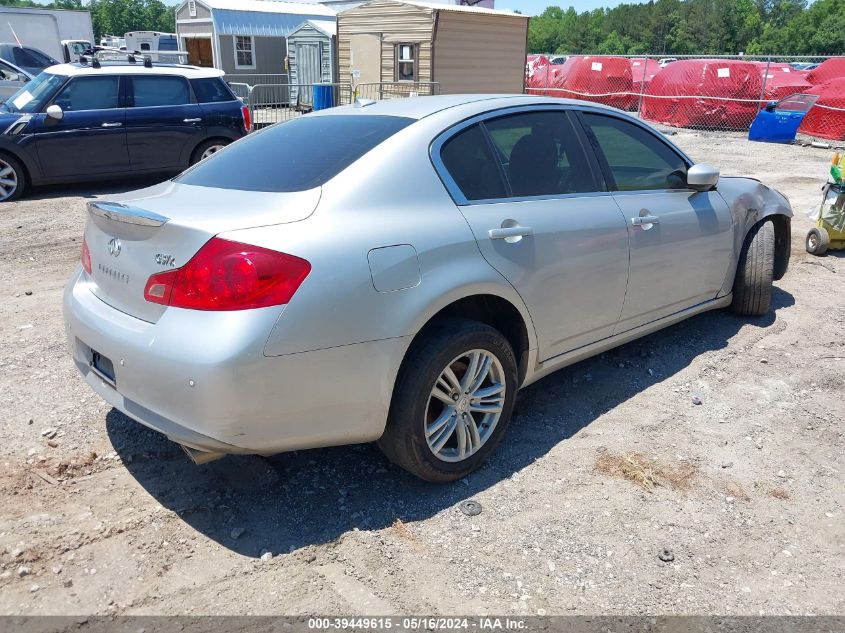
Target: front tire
[(818, 241), (453, 401), (12, 179), (752, 290)]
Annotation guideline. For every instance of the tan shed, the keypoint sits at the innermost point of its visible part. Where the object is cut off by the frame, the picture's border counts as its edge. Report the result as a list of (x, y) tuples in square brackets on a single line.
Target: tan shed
[(464, 49)]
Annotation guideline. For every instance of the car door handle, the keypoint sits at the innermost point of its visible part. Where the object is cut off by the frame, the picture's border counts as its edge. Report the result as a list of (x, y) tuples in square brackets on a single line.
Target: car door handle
[(645, 219), (112, 124), (511, 231), (199, 120)]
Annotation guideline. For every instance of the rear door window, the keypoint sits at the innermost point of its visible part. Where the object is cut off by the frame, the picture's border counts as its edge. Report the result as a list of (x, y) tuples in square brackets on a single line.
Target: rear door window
[(89, 93), (294, 156), (149, 91), (541, 154)]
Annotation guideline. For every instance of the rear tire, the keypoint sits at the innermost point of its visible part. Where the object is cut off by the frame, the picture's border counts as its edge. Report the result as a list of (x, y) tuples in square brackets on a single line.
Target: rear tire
[(208, 148), (442, 439), (818, 241), (752, 290)]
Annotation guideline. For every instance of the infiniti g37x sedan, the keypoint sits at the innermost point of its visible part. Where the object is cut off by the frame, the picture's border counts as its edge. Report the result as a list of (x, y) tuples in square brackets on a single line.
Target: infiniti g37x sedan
[(396, 271)]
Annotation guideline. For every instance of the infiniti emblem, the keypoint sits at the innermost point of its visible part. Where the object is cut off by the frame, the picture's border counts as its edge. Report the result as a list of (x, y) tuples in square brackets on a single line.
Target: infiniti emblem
[(114, 247)]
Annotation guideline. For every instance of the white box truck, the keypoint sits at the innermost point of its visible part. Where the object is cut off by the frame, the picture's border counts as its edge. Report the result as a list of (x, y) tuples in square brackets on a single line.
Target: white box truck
[(49, 30)]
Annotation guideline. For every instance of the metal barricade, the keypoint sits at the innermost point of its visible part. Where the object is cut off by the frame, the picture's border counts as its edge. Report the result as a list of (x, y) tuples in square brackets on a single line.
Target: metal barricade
[(274, 103), (396, 89)]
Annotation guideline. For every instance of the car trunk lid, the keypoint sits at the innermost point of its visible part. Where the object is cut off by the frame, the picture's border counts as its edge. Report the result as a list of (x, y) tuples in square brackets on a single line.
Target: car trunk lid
[(161, 228)]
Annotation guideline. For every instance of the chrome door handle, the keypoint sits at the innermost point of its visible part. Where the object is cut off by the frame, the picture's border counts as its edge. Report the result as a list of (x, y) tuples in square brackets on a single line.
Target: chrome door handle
[(511, 231), (645, 219), (192, 120), (113, 124)]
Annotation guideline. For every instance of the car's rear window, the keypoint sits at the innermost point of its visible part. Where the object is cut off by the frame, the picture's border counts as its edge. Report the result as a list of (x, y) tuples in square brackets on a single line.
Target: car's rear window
[(212, 90), (294, 156)]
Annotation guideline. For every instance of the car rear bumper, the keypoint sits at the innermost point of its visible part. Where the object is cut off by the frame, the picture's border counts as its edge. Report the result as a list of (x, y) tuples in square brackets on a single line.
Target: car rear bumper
[(202, 379)]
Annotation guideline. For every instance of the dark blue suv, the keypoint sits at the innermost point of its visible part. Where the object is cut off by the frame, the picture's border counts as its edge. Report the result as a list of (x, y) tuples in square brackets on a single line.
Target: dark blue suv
[(105, 120)]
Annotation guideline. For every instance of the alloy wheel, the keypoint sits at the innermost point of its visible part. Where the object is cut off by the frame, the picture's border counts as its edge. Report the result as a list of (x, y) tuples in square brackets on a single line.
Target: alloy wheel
[(465, 405), (210, 151), (8, 180)]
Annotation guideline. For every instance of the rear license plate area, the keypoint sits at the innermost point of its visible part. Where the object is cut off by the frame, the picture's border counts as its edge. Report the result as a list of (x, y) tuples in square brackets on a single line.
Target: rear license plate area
[(103, 367)]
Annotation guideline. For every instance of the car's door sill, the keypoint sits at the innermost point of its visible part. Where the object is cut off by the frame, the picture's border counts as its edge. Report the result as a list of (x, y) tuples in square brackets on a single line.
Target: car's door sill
[(569, 358)]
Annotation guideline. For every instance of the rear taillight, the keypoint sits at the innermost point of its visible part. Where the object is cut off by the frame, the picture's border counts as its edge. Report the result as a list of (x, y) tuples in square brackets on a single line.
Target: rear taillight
[(247, 118), (86, 257), (226, 275)]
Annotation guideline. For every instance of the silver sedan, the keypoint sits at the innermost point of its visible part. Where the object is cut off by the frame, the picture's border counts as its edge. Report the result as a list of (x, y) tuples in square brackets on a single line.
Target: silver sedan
[(396, 271)]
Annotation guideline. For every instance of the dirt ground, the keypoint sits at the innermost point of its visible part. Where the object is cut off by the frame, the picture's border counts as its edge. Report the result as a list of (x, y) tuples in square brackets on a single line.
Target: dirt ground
[(607, 464)]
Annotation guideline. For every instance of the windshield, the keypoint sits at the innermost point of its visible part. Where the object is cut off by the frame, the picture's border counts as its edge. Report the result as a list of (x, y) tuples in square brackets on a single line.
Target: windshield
[(294, 156), (35, 94)]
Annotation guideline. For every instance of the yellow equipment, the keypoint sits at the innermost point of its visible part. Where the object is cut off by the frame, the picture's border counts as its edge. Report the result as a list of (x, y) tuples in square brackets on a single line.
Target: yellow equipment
[(829, 232)]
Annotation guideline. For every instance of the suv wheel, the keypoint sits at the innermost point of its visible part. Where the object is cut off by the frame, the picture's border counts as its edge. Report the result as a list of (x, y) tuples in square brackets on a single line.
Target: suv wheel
[(208, 148), (452, 402), (12, 179)]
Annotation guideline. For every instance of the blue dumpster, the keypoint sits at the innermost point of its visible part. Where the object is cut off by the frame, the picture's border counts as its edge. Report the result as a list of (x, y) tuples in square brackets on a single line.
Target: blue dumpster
[(323, 96)]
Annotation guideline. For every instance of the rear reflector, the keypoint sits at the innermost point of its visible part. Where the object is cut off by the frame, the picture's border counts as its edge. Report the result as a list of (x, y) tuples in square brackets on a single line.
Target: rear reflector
[(86, 257), (226, 275), (247, 118)]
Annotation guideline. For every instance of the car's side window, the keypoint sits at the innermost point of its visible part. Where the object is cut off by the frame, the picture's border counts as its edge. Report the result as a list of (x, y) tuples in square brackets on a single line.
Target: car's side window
[(469, 160), (636, 158), (89, 93), (7, 73), (541, 154), (160, 91)]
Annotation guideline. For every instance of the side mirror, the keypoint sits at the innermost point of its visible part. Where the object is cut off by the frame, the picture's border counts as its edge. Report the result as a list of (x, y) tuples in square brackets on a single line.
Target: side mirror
[(55, 112), (771, 105), (702, 177)]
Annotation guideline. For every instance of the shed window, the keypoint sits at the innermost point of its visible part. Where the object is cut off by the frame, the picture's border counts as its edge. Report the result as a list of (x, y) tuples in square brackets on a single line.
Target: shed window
[(406, 62), (192, 9), (244, 51)]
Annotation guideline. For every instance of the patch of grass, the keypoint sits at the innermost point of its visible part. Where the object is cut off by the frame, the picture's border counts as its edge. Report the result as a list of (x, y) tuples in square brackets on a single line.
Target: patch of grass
[(401, 530), (779, 493), (646, 473), (734, 489)]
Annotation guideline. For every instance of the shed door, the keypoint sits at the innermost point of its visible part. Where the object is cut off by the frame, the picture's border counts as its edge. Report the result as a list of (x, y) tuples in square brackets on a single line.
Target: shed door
[(308, 70), (199, 51)]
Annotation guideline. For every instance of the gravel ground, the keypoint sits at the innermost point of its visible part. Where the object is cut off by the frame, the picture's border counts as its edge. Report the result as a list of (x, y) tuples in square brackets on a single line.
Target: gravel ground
[(607, 464)]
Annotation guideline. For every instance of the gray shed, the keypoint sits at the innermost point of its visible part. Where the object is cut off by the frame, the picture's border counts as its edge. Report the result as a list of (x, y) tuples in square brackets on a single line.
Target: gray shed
[(244, 38), (311, 52)]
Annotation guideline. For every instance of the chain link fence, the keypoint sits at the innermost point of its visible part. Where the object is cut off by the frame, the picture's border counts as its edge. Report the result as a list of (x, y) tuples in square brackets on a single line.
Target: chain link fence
[(708, 93)]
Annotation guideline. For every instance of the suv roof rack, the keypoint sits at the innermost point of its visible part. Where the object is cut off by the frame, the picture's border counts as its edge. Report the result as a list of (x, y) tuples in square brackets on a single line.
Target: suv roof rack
[(97, 54)]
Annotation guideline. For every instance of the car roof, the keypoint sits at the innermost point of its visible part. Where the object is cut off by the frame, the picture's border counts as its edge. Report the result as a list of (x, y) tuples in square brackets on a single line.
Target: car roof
[(138, 68), (469, 104)]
